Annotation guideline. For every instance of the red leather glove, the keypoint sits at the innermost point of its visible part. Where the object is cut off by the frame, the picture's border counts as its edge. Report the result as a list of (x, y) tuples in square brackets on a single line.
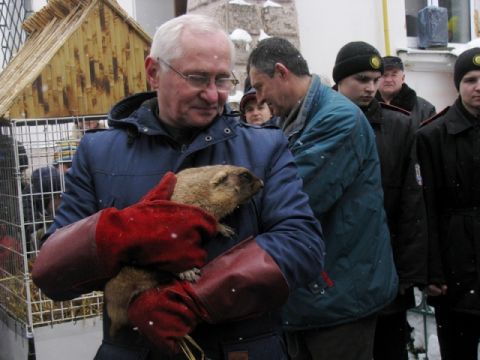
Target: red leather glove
[(242, 282), (153, 231), (164, 315)]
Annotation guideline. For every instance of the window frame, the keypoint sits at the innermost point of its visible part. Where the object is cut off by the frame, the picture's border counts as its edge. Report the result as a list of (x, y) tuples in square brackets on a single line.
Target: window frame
[(412, 41)]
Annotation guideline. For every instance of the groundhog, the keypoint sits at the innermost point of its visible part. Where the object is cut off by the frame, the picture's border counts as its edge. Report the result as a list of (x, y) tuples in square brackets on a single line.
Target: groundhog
[(217, 189)]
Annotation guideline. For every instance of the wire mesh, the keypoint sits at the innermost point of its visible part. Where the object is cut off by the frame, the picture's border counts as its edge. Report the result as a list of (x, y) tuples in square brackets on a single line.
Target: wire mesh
[(12, 14), (34, 156)]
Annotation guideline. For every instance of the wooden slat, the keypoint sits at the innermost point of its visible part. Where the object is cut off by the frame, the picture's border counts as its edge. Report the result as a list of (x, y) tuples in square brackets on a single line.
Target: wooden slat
[(56, 51)]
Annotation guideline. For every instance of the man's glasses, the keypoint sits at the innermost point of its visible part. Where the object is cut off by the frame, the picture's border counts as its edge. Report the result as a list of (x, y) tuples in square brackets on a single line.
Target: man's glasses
[(198, 81)]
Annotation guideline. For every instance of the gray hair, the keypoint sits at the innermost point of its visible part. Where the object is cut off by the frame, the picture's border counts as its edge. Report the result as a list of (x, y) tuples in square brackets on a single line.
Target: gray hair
[(166, 42)]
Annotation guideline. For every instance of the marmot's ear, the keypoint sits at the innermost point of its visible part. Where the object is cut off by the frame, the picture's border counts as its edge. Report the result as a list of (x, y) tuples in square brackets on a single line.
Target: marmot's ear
[(219, 177)]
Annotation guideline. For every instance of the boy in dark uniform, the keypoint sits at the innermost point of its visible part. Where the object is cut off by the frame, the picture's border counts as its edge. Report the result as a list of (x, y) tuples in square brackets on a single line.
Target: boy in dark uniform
[(357, 71)]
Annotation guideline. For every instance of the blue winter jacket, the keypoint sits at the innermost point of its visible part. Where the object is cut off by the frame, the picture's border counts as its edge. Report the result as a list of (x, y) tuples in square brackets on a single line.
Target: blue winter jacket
[(334, 148), (116, 167)]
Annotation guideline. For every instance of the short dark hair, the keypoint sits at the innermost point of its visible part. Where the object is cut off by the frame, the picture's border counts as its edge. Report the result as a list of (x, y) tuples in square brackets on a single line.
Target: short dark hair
[(274, 50)]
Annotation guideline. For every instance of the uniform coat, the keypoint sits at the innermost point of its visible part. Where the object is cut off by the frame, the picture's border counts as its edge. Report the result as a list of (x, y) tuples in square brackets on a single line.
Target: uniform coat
[(342, 178), (402, 188), (116, 167), (449, 154)]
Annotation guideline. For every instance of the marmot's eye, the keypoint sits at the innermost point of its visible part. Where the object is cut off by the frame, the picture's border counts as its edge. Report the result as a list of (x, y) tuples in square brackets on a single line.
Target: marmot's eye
[(247, 176)]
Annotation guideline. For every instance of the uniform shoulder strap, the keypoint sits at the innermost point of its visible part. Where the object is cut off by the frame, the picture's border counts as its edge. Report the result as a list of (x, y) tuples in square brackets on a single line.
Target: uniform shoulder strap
[(394, 108), (434, 117)]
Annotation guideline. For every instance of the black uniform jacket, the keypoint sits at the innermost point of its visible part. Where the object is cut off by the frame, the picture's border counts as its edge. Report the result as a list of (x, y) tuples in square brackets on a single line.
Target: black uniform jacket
[(395, 137), (449, 153), (407, 99)]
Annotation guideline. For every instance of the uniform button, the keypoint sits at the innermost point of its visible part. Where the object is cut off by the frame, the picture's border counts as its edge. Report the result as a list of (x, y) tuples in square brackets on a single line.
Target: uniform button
[(208, 138), (227, 131)]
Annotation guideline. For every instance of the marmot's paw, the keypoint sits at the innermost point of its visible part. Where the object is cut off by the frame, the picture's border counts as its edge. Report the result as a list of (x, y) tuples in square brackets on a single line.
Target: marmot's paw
[(225, 230), (191, 275)]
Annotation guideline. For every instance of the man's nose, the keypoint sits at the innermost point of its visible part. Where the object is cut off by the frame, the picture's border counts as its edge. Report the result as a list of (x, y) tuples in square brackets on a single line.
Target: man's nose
[(370, 86), (210, 93)]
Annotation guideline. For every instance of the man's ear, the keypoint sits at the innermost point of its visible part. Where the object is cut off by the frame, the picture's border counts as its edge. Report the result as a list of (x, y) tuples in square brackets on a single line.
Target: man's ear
[(152, 69), (281, 70)]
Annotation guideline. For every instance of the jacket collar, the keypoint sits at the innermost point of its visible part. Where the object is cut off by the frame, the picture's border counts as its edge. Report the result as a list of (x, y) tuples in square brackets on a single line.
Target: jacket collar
[(372, 113), (298, 123), (458, 119)]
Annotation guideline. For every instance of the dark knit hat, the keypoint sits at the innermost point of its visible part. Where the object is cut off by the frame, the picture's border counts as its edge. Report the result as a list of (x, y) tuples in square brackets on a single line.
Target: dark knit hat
[(392, 62), (467, 61), (356, 57)]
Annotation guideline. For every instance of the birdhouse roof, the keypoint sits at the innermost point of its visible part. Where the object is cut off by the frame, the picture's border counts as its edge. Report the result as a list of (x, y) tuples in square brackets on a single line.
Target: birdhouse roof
[(49, 29)]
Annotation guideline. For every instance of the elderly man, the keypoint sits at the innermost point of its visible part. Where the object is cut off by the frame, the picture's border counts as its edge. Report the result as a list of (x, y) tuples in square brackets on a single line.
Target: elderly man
[(394, 91), (334, 148), (107, 218)]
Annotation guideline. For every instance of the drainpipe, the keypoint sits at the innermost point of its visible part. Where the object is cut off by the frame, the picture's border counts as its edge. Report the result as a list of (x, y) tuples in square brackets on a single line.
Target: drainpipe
[(386, 27)]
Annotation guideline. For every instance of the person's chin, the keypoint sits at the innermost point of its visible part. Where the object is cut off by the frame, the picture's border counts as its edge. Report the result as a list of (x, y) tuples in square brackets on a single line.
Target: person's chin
[(364, 101), (203, 117), (388, 89), (475, 103)]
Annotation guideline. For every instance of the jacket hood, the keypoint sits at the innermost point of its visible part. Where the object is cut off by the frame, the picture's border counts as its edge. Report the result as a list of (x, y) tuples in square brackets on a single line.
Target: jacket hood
[(122, 110)]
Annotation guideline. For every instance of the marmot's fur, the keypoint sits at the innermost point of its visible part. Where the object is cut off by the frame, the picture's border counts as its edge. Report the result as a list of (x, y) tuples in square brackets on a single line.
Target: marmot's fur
[(217, 189)]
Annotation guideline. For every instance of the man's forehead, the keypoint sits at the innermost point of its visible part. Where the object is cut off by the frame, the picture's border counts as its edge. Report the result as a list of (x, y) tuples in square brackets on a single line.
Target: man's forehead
[(257, 77), (368, 75), (393, 70), (472, 73)]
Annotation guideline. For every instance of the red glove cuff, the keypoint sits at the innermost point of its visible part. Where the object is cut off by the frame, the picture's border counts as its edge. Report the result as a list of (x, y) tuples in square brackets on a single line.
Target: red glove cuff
[(244, 281)]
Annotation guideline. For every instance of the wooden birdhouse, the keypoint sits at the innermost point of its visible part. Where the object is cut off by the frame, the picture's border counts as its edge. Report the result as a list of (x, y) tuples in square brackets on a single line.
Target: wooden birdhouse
[(81, 56)]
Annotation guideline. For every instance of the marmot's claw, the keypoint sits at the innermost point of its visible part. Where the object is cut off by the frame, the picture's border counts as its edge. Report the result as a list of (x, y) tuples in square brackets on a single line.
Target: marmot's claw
[(225, 230), (191, 275)]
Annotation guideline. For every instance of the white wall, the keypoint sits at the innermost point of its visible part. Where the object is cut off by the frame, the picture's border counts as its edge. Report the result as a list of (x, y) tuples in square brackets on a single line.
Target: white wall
[(153, 13), (127, 5), (438, 88), (149, 13), (38, 4), (325, 26)]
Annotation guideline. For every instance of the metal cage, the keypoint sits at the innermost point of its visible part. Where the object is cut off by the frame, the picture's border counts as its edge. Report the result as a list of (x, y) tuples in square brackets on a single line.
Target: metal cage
[(34, 155)]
